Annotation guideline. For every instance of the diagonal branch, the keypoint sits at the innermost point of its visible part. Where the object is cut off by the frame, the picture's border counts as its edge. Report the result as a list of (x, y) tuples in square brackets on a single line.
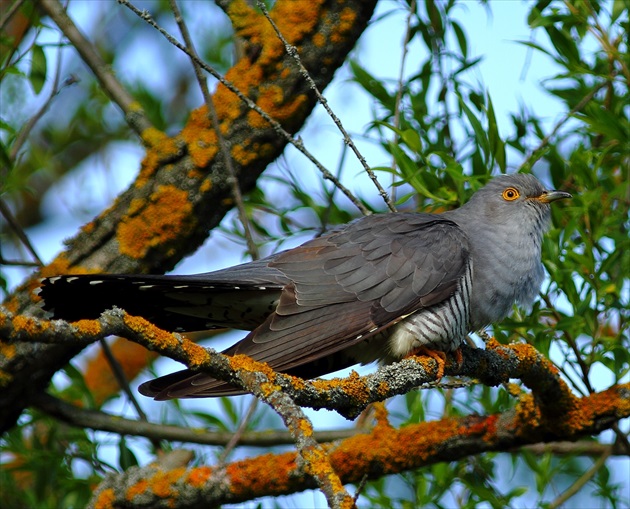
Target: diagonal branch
[(182, 190)]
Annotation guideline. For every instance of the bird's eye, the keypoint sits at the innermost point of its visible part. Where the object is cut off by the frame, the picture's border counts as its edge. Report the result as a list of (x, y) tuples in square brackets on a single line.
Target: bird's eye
[(511, 194)]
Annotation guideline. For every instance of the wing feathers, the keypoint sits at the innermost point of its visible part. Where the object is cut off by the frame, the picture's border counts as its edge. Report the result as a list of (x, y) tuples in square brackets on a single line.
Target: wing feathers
[(347, 286)]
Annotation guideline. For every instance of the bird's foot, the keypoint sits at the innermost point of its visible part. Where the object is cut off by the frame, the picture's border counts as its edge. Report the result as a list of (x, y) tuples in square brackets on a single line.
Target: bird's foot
[(459, 359), (438, 356)]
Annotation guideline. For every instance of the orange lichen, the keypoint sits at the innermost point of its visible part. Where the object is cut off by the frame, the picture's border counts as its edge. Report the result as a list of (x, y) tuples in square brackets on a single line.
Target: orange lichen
[(205, 186), (160, 339), (319, 40), (7, 350), (198, 477), (200, 138), (196, 355), (161, 143), (99, 377), (88, 327), (394, 450), (305, 426), (150, 223), (268, 473), (352, 385), (347, 18), (317, 463), (247, 364), (296, 19), (60, 265), (162, 482), (141, 487), (88, 227), (148, 166), (273, 101), (28, 325), (12, 304), (243, 154), (105, 499)]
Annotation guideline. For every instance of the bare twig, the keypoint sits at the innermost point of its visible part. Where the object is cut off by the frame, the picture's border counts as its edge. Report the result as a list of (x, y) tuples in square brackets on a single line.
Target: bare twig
[(134, 115), (15, 226), (102, 421), (292, 52), (401, 72), (237, 436), (545, 141), (583, 479), (212, 113), (25, 131)]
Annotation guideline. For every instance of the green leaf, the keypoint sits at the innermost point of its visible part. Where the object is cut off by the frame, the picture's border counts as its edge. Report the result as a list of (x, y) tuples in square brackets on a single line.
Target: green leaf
[(480, 132), (618, 8), (372, 85), (461, 38), (564, 44), (126, 457), (37, 75)]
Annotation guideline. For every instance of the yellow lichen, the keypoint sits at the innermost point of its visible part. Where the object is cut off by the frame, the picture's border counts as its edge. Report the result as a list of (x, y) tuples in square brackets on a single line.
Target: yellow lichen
[(165, 216), (105, 499)]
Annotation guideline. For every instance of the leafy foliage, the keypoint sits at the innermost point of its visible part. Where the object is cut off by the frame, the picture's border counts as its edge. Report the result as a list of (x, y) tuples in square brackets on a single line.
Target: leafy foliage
[(443, 138)]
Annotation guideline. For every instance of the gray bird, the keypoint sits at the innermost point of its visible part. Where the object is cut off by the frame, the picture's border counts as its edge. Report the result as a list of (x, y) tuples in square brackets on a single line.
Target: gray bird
[(379, 288)]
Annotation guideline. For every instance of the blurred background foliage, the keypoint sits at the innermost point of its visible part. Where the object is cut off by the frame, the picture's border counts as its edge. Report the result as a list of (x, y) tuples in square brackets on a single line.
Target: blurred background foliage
[(439, 131)]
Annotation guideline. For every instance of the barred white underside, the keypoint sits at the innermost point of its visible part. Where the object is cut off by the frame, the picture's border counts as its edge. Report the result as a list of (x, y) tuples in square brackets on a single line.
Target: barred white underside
[(441, 327)]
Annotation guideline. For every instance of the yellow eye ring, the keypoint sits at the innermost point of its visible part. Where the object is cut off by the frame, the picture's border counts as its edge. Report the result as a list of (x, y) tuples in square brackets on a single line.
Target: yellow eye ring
[(510, 194)]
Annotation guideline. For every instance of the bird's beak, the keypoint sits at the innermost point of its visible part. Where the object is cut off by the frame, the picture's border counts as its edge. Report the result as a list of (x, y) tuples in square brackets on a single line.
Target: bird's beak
[(550, 196)]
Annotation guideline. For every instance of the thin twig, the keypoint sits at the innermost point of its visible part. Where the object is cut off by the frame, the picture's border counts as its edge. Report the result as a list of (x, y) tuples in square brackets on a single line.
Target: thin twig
[(238, 434), (602, 36), (120, 377), (15, 226), (28, 126), (100, 420), (223, 146), (545, 141), (579, 484), (296, 142), (399, 91), (134, 115), (292, 52)]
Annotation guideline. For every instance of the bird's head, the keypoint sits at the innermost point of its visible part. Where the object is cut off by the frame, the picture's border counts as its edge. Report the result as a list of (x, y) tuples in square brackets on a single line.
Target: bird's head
[(515, 199)]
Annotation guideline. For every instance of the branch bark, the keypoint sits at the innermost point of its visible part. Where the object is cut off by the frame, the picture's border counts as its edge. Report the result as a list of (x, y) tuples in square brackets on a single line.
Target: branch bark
[(182, 190), (383, 452)]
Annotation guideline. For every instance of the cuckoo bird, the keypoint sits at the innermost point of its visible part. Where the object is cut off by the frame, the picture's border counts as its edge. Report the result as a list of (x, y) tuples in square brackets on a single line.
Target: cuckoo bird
[(378, 288)]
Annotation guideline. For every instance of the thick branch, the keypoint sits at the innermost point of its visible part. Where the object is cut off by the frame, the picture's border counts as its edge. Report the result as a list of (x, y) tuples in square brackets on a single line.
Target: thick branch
[(102, 421), (349, 396), (182, 190), (383, 452)]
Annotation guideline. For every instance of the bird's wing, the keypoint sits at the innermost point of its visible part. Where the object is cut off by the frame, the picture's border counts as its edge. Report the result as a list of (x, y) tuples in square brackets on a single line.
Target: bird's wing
[(346, 287)]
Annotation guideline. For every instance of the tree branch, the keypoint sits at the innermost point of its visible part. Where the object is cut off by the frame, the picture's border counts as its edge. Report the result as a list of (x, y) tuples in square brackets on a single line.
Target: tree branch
[(182, 190), (383, 452)]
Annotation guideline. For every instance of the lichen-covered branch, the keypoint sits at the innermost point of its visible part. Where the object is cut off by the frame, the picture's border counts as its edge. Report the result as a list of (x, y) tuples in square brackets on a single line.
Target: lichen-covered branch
[(182, 189), (385, 451), (348, 396)]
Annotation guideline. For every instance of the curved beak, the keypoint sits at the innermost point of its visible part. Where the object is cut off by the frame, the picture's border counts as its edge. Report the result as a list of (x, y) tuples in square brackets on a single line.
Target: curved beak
[(551, 196)]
